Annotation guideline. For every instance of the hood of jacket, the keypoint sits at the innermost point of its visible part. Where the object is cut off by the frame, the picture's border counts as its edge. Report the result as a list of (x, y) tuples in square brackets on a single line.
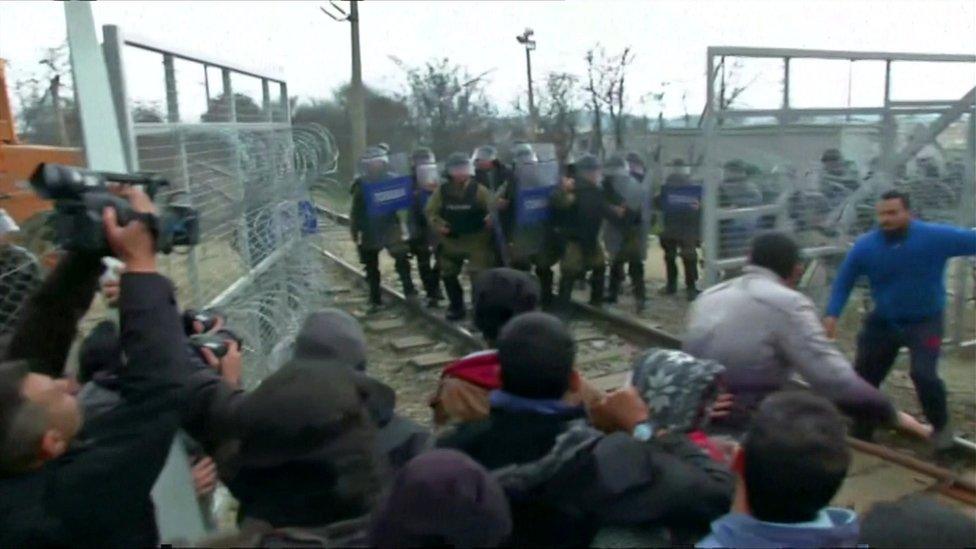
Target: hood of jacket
[(332, 334), (833, 527), (481, 368)]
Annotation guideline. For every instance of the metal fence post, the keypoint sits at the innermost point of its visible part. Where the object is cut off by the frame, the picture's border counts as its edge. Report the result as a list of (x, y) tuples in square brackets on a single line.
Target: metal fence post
[(709, 206), (112, 44), (240, 176), (173, 116), (967, 213)]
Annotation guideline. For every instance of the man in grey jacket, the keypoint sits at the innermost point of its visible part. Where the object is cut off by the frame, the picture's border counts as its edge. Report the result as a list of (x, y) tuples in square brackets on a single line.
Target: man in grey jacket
[(763, 331)]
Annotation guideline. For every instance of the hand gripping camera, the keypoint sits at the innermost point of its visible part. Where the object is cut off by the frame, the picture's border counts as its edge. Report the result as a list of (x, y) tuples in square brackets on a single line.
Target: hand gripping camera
[(80, 196)]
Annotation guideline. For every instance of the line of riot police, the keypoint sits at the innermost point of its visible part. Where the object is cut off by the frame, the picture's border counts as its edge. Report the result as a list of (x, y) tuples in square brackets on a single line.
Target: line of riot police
[(531, 214)]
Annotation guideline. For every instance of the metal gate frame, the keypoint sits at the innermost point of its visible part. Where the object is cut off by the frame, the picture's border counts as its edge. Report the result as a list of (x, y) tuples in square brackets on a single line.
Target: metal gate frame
[(891, 158)]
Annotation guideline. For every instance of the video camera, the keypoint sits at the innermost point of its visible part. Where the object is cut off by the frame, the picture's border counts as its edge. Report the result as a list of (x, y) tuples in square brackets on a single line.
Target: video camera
[(80, 196), (216, 342), (206, 317)]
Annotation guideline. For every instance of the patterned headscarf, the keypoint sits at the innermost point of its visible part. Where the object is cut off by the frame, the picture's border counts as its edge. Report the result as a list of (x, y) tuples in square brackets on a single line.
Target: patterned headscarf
[(677, 387)]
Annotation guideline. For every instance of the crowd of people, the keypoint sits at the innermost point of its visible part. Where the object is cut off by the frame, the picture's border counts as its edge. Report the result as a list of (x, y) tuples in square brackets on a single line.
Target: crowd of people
[(703, 446)]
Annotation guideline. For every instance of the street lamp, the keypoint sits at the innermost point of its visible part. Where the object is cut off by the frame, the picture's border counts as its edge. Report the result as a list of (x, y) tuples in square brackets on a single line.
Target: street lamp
[(526, 40)]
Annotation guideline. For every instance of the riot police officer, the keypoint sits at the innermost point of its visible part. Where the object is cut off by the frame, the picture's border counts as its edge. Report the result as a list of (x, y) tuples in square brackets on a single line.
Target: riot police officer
[(581, 207), (488, 170), (374, 229), (626, 232), (459, 210), (680, 204), (425, 180)]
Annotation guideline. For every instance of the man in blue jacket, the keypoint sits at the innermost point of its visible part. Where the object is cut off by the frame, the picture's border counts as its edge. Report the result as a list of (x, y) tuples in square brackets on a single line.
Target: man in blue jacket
[(904, 261)]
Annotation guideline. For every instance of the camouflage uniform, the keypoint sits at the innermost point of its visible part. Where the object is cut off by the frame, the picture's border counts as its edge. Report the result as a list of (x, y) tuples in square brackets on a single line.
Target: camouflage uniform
[(580, 214), (461, 208)]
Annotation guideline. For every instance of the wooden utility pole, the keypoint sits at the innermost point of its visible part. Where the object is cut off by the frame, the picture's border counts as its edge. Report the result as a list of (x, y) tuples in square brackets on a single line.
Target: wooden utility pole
[(357, 106), (357, 100)]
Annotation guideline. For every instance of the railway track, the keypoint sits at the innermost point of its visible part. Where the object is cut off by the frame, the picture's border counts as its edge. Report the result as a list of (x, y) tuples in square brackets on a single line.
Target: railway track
[(607, 341)]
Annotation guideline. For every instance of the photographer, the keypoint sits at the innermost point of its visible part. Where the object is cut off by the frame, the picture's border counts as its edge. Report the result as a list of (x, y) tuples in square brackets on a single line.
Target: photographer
[(65, 482)]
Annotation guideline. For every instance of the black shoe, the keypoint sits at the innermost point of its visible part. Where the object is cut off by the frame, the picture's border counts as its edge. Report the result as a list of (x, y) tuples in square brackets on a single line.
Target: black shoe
[(691, 293), (611, 299), (640, 306), (454, 315), (374, 307), (433, 302), (668, 290)]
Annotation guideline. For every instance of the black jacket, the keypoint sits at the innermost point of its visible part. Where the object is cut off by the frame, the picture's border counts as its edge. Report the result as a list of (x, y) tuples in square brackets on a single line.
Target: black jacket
[(590, 481), (508, 437), (97, 494)]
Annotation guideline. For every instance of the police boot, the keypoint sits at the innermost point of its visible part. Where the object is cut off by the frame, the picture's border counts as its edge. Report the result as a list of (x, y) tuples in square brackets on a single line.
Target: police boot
[(455, 295), (375, 296), (640, 287), (616, 277), (671, 274), (403, 271), (564, 305), (597, 280), (434, 294), (691, 277), (545, 286)]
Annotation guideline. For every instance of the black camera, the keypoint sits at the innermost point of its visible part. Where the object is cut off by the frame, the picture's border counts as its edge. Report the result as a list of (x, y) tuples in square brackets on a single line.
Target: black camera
[(206, 317), (217, 342), (80, 196)]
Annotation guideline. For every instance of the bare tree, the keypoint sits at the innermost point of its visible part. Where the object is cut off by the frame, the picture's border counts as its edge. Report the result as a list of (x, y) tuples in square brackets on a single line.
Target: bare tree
[(596, 80), (46, 115), (731, 85), (607, 77), (448, 105), (558, 108)]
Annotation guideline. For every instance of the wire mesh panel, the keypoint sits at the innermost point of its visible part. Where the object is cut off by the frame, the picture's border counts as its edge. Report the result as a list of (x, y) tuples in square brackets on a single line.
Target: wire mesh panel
[(20, 274), (221, 137)]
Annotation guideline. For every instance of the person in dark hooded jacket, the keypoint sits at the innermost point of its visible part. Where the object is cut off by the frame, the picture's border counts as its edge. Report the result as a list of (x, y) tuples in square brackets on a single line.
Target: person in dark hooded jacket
[(336, 338), (462, 395), (442, 499), (306, 453), (536, 352)]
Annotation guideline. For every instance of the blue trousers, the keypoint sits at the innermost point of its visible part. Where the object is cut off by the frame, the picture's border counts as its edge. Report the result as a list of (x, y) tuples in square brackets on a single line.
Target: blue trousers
[(878, 345)]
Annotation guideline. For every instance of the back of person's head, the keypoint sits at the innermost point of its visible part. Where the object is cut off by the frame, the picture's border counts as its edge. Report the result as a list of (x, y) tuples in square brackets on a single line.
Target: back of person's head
[(775, 251), (536, 353), (334, 335), (22, 424), (101, 351), (442, 498), (500, 294), (916, 521), (795, 455), (306, 429)]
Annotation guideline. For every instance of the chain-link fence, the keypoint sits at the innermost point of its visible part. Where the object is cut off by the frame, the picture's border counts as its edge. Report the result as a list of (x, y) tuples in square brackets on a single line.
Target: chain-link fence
[(234, 156)]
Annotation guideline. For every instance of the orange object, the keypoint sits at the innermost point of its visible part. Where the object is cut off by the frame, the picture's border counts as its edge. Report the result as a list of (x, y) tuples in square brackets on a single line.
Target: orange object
[(18, 160)]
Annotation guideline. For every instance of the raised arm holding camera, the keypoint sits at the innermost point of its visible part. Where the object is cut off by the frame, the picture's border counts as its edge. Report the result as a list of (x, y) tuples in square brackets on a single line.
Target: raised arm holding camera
[(65, 481)]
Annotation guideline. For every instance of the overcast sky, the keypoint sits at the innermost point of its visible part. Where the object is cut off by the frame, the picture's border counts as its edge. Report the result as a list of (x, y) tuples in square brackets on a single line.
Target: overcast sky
[(669, 39)]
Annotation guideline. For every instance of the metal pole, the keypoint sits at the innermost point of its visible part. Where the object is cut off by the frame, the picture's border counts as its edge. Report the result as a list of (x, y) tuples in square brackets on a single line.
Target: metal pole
[(786, 92), (357, 107), (967, 211), (112, 45), (709, 207), (532, 114)]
